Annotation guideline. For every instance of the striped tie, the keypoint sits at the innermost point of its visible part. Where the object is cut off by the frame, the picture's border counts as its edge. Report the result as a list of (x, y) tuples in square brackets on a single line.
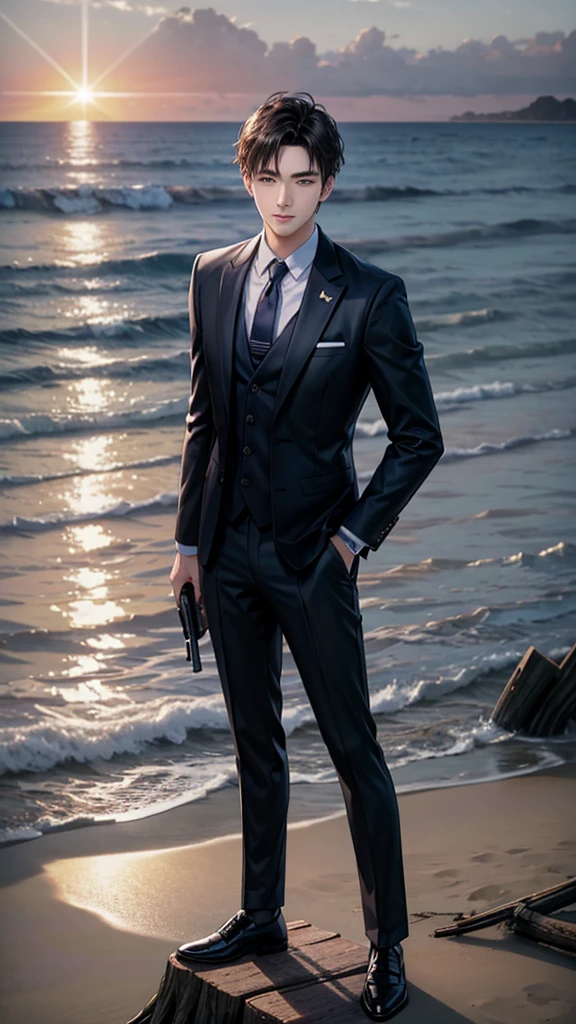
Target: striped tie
[(262, 334)]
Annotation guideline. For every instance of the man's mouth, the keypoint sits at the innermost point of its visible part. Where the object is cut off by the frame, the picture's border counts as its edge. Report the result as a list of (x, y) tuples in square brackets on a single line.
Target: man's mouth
[(284, 216)]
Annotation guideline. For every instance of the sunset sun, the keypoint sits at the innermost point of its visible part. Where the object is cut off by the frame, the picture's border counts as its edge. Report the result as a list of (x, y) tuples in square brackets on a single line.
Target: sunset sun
[(84, 95)]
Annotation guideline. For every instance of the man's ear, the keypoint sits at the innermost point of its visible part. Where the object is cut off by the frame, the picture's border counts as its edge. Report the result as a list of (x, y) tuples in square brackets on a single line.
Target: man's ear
[(327, 188), (246, 178)]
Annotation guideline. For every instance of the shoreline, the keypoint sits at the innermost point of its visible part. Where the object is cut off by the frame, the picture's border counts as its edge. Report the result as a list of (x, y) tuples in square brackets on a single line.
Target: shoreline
[(304, 797), (97, 917)]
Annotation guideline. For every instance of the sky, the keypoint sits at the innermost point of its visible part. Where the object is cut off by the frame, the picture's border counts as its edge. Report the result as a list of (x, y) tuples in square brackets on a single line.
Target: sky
[(366, 60)]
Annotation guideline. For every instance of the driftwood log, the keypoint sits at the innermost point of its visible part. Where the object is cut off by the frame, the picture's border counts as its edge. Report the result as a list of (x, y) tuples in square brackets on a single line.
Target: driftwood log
[(543, 928), (539, 699), (250, 988), (527, 917)]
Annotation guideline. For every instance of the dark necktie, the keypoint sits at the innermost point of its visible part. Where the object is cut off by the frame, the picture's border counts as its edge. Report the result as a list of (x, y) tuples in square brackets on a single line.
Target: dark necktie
[(262, 333)]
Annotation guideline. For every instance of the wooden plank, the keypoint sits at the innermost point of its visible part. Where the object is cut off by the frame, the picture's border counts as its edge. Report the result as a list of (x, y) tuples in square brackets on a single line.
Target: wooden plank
[(298, 965), (335, 1001)]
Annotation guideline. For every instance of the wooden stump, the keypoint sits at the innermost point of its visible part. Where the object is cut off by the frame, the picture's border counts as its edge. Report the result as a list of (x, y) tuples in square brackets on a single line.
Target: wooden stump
[(238, 992), (559, 700), (540, 697)]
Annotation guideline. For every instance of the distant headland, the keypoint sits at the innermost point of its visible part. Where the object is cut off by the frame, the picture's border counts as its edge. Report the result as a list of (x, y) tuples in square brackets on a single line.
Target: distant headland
[(545, 108)]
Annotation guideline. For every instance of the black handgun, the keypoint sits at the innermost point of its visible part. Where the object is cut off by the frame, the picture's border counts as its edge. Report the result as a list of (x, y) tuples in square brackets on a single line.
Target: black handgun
[(193, 622)]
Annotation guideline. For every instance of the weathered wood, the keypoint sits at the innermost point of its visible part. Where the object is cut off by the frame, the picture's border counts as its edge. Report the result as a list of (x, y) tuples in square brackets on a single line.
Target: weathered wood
[(552, 931), (558, 703), (524, 690), (334, 1001), (196, 994), (545, 900)]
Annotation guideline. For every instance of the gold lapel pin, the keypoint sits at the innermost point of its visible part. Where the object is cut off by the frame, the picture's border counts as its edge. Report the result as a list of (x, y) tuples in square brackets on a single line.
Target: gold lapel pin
[(327, 298)]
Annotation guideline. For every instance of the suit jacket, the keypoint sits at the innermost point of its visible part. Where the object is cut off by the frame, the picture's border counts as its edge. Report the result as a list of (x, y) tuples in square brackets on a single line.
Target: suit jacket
[(354, 331)]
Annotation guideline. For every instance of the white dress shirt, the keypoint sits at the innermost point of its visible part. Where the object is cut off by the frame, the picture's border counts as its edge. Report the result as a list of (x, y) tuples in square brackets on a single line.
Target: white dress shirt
[(292, 288)]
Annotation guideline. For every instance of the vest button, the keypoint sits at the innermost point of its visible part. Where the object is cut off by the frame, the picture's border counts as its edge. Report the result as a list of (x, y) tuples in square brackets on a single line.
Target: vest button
[(255, 388), (247, 450), (221, 478), (249, 418), (245, 481)]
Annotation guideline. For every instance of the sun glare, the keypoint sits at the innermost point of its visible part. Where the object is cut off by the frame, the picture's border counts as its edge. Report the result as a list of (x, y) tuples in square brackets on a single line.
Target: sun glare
[(84, 95)]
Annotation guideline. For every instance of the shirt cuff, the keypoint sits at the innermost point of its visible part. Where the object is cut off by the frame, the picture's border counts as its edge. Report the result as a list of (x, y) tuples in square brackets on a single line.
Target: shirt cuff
[(186, 549), (351, 540)]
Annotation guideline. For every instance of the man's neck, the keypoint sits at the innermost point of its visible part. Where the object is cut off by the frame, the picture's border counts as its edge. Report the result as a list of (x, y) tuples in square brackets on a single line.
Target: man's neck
[(283, 246)]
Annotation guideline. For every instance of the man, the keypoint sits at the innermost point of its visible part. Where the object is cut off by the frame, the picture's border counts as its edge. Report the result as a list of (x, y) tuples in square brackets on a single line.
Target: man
[(289, 333)]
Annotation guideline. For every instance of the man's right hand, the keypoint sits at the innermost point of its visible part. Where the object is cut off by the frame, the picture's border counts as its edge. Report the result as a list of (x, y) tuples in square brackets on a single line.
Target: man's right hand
[(185, 568)]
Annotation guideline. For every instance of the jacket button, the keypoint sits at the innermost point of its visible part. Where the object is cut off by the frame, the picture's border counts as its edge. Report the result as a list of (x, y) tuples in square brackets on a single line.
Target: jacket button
[(247, 449), (249, 418), (221, 478), (245, 481), (255, 388)]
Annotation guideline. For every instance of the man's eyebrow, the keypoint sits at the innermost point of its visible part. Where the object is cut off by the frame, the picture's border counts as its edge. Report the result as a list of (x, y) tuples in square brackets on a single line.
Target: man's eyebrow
[(302, 174)]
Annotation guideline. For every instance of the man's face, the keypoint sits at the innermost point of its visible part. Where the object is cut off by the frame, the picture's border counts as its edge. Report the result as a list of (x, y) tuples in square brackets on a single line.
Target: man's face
[(293, 192)]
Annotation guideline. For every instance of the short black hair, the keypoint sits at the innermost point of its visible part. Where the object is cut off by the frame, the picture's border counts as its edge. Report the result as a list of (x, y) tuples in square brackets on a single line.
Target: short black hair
[(289, 119)]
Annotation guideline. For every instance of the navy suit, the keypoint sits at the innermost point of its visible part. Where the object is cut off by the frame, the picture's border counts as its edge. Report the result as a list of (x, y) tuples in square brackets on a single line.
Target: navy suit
[(267, 477)]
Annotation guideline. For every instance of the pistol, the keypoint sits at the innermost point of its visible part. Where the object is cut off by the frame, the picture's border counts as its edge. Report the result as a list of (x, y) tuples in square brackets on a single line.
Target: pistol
[(193, 624)]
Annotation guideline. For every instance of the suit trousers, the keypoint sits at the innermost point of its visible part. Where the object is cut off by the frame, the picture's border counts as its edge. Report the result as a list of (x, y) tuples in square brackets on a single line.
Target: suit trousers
[(252, 597)]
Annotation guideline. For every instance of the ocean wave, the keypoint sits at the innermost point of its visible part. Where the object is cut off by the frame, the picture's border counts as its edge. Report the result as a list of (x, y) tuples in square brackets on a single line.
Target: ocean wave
[(89, 199), (24, 479), (498, 447), (500, 353), (64, 736), (154, 367), (522, 228), (147, 263), (172, 325), (375, 428), (41, 424), (157, 503), (461, 318)]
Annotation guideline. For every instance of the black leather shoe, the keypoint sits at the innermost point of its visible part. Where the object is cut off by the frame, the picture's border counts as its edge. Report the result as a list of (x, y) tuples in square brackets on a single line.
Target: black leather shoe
[(385, 991), (240, 935)]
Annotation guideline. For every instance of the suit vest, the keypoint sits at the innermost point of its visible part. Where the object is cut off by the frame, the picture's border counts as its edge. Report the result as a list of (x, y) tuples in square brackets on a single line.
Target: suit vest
[(254, 387)]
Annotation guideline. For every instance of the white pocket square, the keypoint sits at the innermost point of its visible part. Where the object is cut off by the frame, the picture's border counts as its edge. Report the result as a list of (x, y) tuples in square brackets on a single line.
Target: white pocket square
[(329, 344)]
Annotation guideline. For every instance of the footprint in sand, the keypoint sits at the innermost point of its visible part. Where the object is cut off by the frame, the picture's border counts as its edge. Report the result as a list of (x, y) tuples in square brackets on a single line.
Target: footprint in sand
[(517, 849), (488, 892), (450, 875), (484, 858)]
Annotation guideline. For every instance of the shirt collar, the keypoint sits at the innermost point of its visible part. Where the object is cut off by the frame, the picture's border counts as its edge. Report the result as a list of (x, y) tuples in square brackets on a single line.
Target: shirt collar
[(297, 262)]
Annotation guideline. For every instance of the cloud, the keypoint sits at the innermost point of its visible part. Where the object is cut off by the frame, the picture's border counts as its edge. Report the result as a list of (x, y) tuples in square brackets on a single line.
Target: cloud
[(203, 51)]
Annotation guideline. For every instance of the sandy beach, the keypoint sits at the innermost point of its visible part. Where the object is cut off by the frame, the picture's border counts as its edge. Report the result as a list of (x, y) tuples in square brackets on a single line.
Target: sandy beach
[(90, 916)]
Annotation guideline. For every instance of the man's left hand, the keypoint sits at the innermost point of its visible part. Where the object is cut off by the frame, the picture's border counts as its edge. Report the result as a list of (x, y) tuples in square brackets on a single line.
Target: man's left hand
[(343, 548)]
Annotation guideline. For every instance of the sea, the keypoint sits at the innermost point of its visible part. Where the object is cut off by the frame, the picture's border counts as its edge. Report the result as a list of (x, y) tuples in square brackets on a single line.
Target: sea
[(102, 718)]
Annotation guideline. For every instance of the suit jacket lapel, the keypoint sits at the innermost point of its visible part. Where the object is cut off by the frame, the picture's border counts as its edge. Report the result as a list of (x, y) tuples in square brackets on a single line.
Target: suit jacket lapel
[(229, 299)]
